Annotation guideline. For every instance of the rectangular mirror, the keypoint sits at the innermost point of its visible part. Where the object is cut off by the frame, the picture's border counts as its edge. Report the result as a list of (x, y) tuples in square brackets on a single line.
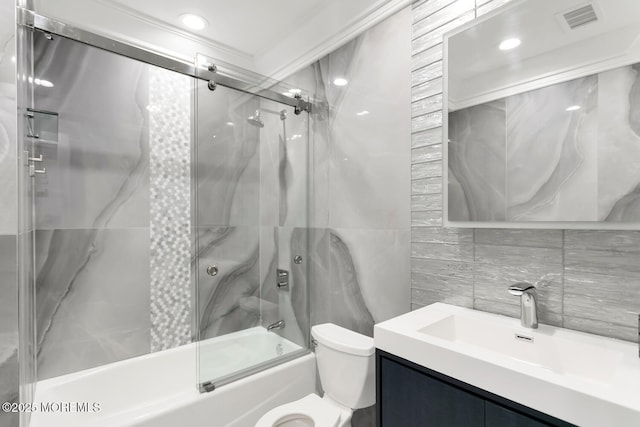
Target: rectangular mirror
[(543, 123)]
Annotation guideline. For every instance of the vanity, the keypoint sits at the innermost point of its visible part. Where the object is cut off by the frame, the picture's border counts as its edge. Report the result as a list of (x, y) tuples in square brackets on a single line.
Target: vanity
[(444, 365)]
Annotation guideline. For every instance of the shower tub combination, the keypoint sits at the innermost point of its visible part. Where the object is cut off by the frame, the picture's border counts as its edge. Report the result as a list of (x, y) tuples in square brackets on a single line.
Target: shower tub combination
[(161, 389), (231, 379)]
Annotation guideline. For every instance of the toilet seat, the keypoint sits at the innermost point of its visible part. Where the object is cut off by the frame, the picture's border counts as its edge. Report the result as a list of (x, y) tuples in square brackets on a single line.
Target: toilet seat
[(313, 407)]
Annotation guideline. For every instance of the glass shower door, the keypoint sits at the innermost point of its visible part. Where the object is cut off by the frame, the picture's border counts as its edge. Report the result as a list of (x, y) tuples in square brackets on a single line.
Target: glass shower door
[(250, 217)]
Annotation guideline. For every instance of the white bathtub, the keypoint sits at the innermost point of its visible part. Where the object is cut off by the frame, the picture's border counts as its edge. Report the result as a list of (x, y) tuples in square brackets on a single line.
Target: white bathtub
[(160, 389)]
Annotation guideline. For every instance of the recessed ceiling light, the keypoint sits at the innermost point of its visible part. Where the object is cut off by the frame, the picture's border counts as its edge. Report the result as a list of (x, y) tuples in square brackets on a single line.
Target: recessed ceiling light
[(509, 44), (340, 81), (573, 108), (13, 59), (362, 113), (229, 123), (194, 22)]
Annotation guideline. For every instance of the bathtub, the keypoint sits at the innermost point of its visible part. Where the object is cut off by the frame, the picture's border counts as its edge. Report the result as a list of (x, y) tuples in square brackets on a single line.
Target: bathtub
[(160, 389)]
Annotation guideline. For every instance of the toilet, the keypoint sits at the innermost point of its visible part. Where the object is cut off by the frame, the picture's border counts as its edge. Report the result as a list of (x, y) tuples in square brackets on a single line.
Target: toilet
[(346, 365)]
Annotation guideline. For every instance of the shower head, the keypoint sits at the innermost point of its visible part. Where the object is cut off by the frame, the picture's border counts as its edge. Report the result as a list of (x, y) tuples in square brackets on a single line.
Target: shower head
[(256, 120)]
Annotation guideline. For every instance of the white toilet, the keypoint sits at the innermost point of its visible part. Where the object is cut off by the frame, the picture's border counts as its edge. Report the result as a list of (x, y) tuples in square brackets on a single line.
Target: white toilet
[(346, 365)]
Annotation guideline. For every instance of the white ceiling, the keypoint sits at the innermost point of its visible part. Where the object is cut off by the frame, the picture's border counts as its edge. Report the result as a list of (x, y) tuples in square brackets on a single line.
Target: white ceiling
[(250, 26), (271, 37)]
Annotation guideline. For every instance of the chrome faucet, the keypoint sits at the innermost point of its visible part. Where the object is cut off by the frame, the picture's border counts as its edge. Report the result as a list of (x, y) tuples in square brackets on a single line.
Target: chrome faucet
[(277, 325), (528, 303)]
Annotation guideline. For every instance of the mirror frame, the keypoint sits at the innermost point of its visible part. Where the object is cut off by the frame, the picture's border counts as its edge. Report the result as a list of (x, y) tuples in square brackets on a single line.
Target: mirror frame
[(556, 78)]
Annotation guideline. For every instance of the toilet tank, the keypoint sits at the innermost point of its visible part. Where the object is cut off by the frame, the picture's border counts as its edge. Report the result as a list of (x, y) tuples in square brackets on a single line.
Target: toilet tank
[(346, 364)]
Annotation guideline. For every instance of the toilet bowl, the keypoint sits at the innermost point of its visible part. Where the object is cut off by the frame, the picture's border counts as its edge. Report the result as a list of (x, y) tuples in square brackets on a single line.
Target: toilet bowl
[(346, 368), (310, 411)]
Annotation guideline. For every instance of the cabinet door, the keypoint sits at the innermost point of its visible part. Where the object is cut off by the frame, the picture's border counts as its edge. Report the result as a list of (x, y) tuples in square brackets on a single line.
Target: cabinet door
[(409, 398), (499, 416)]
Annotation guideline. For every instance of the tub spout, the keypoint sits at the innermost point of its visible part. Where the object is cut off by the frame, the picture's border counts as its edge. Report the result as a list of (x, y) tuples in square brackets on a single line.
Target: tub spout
[(278, 325)]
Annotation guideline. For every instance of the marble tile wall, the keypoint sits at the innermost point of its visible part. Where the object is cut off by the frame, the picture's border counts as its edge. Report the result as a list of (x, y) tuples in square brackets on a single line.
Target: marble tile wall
[(228, 212), (359, 237), (589, 279), (9, 368), (92, 209), (525, 158), (113, 246)]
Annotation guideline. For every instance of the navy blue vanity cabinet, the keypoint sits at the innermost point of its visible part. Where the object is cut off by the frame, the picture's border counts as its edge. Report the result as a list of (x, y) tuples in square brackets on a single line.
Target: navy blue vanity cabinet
[(408, 398), (411, 395)]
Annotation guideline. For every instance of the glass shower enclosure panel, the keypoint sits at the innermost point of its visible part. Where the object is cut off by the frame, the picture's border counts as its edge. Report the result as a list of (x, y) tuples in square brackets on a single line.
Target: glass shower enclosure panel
[(251, 173)]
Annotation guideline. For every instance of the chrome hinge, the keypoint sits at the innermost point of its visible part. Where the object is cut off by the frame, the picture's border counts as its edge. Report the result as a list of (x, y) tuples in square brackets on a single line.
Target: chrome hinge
[(25, 17)]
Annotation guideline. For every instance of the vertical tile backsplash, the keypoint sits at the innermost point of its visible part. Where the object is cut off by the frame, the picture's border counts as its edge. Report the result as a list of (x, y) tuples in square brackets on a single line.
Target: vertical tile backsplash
[(587, 280)]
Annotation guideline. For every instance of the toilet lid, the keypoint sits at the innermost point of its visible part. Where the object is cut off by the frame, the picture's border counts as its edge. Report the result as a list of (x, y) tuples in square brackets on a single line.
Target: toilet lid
[(323, 413)]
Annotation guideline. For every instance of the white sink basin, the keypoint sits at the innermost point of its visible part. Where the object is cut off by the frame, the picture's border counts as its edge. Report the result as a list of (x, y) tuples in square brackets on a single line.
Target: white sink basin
[(580, 378)]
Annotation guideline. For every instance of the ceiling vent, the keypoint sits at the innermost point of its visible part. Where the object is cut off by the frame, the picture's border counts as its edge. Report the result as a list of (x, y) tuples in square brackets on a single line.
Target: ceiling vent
[(580, 16)]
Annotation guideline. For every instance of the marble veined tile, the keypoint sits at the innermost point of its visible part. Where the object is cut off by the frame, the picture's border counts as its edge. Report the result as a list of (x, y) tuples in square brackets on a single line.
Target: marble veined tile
[(370, 151), (319, 268), (8, 131), (619, 144), (92, 292), (9, 384), (284, 167), (98, 171), (369, 273), (278, 247), (8, 285), (552, 165), (228, 159), (477, 163), (229, 301), (8, 327), (315, 82)]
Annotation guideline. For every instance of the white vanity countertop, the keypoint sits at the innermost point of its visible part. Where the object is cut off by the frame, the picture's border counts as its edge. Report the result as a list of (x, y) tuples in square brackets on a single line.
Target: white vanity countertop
[(581, 378)]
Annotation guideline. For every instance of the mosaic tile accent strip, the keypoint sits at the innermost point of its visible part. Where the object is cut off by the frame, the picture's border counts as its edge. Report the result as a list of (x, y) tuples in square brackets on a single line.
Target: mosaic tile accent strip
[(170, 137)]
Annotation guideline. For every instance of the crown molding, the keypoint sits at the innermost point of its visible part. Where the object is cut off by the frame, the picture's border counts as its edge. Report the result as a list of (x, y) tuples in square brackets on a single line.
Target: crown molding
[(279, 68), (173, 29), (325, 29)]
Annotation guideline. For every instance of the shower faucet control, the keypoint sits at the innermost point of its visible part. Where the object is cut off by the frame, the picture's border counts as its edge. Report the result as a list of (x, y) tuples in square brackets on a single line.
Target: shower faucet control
[(282, 280), (280, 324)]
